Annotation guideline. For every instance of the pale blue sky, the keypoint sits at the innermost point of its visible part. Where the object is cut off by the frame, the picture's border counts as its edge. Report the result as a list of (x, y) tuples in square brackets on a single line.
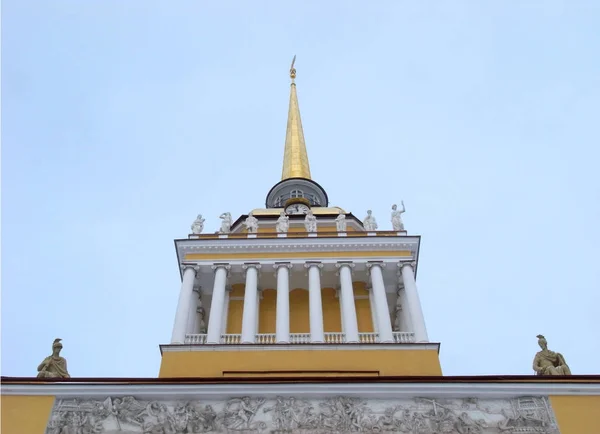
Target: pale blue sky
[(122, 120)]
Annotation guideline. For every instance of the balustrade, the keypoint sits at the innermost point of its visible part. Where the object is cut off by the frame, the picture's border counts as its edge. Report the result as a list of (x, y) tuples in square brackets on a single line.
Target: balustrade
[(301, 338)]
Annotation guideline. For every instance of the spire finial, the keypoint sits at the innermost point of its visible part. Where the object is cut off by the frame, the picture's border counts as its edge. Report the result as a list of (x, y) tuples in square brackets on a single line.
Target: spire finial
[(295, 158), (292, 69)]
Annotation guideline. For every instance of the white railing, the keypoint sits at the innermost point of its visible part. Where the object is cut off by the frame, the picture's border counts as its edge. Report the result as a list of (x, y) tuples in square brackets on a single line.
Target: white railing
[(231, 339), (334, 338), (301, 338), (404, 337), (368, 338), (195, 339), (265, 338)]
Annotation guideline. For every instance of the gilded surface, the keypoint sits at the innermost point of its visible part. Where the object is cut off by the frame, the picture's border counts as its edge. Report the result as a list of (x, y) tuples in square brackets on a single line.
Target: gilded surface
[(295, 158), (336, 414)]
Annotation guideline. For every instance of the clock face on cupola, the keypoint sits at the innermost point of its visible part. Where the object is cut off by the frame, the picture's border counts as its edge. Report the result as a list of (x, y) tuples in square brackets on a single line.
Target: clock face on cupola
[(297, 208)]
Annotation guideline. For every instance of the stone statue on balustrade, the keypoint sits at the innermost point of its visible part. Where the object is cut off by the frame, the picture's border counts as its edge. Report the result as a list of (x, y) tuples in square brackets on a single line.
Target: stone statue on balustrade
[(201, 322), (198, 225), (369, 223), (397, 324), (340, 222), (283, 223), (548, 362), (310, 222), (251, 224), (225, 223), (397, 223), (54, 366)]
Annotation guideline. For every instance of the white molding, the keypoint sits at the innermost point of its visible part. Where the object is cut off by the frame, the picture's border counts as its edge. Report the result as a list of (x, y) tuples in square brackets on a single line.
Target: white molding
[(298, 347), (283, 245), (313, 390)]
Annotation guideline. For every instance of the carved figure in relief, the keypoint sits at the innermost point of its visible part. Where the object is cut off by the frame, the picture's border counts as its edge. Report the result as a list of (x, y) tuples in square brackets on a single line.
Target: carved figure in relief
[(198, 225), (251, 224), (466, 425), (340, 222), (283, 223), (310, 222), (127, 410), (548, 362), (397, 223), (54, 366), (369, 223), (239, 413), (225, 223)]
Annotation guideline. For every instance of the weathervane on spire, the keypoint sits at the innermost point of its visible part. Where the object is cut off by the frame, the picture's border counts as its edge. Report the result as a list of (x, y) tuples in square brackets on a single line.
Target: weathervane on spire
[(292, 69)]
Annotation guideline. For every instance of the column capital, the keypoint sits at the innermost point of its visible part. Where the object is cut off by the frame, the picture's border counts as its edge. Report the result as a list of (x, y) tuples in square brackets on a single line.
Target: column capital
[(342, 263), (370, 264), (402, 264), (276, 265), (309, 264), (348, 264), (248, 265), (192, 266), (224, 265)]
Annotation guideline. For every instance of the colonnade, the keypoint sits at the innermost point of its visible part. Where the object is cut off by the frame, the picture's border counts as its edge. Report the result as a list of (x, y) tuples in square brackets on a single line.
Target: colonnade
[(378, 298)]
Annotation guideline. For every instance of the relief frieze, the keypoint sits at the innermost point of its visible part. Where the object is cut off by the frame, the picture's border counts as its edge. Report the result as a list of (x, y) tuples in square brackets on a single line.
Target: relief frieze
[(289, 414)]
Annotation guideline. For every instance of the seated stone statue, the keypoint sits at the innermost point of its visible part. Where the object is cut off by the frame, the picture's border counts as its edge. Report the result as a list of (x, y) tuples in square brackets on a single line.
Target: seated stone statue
[(54, 366), (548, 362)]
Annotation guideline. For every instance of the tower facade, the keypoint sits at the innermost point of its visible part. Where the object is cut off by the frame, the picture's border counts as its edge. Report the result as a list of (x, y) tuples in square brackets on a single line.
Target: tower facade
[(299, 286), (299, 317)]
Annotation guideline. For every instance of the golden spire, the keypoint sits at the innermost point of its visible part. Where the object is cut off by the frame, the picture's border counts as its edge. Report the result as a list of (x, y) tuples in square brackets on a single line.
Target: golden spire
[(295, 158)]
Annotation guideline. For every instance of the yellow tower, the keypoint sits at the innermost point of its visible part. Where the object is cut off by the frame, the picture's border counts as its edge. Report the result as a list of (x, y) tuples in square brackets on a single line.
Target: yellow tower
[(303, 289), (301, 318)]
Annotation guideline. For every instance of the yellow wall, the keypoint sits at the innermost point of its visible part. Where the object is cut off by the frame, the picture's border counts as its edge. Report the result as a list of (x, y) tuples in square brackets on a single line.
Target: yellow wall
[(268, 311), (25, 414), (577, 414), (217, 363), (363, 308), (299, 310), (299, 314), (332, 317)]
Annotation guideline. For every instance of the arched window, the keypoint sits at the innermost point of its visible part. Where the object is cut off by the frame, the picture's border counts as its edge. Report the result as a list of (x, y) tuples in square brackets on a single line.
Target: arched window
[(297, 193)]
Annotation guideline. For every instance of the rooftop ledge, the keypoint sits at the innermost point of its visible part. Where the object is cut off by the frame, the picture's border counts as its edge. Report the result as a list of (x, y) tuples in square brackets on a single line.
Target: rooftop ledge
[(323, 234)]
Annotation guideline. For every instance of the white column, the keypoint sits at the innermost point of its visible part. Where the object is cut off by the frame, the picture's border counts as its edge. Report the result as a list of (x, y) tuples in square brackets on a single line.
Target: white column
[(215, 321), (184, 304), (384, 325), (406, 323), (192, 314), (225, 321), (338, 292), (250, 304), (347, 300), (315, 303), (373, 311), (414, 304), (282, 314)]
